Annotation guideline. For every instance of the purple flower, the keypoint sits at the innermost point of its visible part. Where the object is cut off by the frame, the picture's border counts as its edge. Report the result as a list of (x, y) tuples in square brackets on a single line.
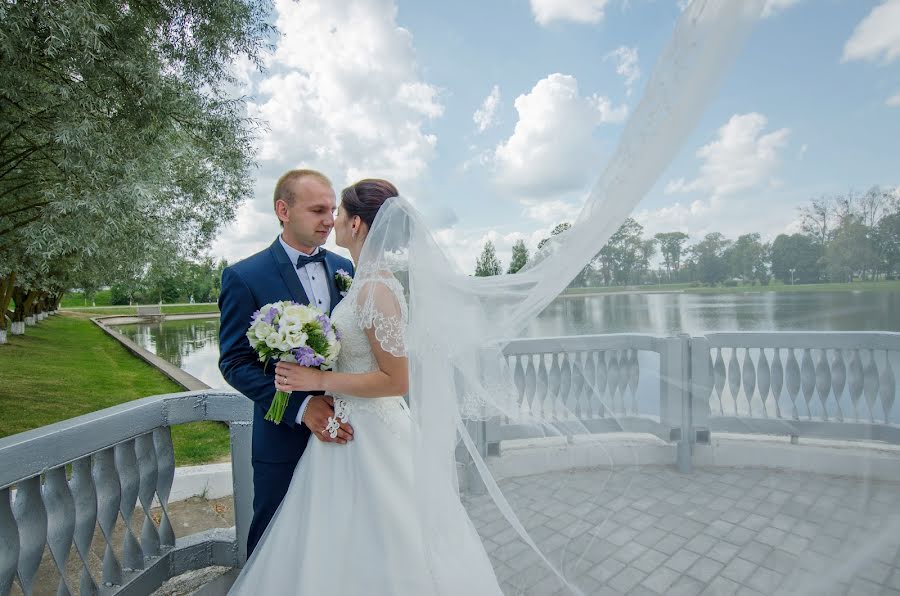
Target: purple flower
[(325, 323), (306, 356), (343, 280), (270, 316), (337, 334), (253, 316)]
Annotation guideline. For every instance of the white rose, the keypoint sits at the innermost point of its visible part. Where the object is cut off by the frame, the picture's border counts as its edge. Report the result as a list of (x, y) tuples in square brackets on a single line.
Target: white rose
[(293, 311), (297, 339), (283, 343), (263, 330), (291, 325), (273, 340)]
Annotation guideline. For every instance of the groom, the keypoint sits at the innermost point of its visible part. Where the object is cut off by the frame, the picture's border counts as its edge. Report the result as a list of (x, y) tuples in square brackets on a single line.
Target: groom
[(295, 267)]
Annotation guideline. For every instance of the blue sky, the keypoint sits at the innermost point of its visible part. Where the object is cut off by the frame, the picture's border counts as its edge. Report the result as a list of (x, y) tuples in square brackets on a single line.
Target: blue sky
[(497, 116)]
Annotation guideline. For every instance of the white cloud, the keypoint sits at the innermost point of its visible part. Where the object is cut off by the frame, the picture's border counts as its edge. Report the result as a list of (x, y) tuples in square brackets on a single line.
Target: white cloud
[(552, 149), (343, 95), (626, 65), (775, 6), (893, 101), (550, 212), (732, 216), (877, 36), (577, 11), (485, 116), (740, 158), (463, 247)]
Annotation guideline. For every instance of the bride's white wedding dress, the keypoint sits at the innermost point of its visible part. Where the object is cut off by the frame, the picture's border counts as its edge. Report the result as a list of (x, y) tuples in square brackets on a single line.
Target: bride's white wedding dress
[(348, 524)]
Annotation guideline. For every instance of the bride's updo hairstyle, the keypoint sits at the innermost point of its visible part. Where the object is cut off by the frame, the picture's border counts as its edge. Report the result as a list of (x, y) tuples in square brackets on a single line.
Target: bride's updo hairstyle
[(365, 198)]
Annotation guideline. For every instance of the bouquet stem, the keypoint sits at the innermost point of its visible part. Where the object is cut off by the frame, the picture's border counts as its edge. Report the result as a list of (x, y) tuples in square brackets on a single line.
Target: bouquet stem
[(279, 405)]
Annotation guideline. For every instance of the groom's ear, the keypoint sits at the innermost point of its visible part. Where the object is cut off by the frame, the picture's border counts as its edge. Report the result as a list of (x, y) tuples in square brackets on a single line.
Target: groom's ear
[(281, 211)]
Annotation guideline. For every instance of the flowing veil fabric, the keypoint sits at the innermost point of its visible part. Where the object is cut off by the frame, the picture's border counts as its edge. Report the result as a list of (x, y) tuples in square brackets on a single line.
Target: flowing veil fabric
[(459, 325)]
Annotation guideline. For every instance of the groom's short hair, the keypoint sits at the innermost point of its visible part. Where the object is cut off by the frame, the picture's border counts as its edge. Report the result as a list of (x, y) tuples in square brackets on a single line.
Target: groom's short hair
[(283, 190)]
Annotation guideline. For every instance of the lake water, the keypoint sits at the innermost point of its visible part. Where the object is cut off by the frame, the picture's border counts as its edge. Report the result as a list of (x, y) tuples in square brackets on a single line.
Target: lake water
[(193, 344)]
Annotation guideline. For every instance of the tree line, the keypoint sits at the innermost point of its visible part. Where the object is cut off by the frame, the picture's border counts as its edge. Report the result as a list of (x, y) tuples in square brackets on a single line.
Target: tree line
[(122, 147), (842, 238)]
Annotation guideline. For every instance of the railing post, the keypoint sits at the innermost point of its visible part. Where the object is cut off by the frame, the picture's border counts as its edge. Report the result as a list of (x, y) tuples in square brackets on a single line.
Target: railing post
[(491, 434), (242, 479), (670, 386), (685, 441), (700, 388)]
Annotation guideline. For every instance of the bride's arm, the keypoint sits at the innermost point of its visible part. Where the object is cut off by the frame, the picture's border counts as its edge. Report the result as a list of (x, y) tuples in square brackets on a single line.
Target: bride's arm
[(391, 378)]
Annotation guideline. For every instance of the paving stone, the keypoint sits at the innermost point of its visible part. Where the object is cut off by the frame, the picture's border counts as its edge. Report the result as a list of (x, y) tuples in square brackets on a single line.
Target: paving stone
[(705, 569), (671, 544), (686, 586), (721, 586), (894, 580), (650, 560), (781, 561), (765, 580), (627, 579), (756, 552), (682, 560), (723, 551), (650, 537), (700, 544), (863, 587), (606, 570), (629, 552), (661, 579)]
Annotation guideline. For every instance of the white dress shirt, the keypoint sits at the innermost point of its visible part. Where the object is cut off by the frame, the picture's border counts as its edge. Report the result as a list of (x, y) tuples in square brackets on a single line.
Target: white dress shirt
[(314, 279)]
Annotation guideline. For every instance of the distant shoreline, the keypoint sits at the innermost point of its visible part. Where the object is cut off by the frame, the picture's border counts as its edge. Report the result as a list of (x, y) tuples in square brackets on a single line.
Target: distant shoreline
[(868, 286)]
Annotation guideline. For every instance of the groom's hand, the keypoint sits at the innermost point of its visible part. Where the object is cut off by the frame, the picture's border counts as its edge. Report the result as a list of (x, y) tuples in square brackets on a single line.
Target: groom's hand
[(319, 409)]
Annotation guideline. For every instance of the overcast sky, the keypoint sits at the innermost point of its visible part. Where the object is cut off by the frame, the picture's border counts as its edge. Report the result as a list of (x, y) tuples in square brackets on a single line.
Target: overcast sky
[(497, 116)]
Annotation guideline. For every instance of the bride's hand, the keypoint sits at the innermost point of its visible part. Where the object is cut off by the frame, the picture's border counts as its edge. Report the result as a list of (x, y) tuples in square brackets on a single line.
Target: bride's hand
[(293, 377)]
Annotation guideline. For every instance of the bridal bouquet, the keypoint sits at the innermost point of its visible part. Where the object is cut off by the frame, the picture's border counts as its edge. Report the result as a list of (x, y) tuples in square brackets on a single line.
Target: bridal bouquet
[(292, 332)]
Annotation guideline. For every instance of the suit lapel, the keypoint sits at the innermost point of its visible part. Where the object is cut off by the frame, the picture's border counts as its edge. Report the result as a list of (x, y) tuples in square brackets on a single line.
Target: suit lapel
[(288, 273), (330, 269)]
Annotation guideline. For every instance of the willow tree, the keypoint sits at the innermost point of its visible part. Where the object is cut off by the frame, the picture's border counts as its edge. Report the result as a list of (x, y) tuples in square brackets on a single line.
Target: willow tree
[(117, 135)]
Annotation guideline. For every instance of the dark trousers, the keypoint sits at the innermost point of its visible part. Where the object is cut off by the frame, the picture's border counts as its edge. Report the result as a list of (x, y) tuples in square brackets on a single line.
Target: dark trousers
[(270, 484)]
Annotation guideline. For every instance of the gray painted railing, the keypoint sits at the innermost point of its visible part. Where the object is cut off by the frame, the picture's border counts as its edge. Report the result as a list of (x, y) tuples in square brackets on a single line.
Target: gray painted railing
[(829, 384), (823, 384), (121, 459), (592, 379)]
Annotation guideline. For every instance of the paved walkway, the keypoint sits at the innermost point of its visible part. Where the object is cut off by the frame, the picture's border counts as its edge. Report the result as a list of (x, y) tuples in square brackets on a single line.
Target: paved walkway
[(721, 531), (650, 530)]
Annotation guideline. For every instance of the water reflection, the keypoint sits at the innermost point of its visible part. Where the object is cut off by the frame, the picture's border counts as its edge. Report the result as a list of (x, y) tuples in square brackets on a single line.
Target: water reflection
[(193, 344), (697, 314)]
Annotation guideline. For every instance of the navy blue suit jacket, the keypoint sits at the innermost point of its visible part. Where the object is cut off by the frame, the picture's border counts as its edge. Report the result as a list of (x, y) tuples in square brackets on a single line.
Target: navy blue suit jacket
[(268, 276)]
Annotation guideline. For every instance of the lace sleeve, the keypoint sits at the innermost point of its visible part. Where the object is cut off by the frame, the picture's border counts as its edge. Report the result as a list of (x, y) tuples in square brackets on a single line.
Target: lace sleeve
[(381, 306)]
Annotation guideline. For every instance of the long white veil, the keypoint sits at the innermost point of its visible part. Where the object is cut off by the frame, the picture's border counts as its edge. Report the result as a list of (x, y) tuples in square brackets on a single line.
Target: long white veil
[(459, 326)]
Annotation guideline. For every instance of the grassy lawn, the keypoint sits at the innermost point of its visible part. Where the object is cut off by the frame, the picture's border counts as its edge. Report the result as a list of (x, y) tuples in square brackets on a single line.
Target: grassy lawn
[(66, 366), (859, 286), (169, 309), (101, 298)]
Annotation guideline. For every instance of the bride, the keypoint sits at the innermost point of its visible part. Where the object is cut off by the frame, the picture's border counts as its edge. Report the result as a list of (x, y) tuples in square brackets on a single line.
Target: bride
[(348, 523)]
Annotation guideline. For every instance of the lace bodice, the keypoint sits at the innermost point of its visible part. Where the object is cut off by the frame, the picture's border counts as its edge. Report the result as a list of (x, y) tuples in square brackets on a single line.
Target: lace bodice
[(356, 356)]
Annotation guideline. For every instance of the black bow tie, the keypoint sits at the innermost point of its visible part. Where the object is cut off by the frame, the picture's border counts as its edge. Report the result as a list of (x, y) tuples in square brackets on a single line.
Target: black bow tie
[(303, 260)]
